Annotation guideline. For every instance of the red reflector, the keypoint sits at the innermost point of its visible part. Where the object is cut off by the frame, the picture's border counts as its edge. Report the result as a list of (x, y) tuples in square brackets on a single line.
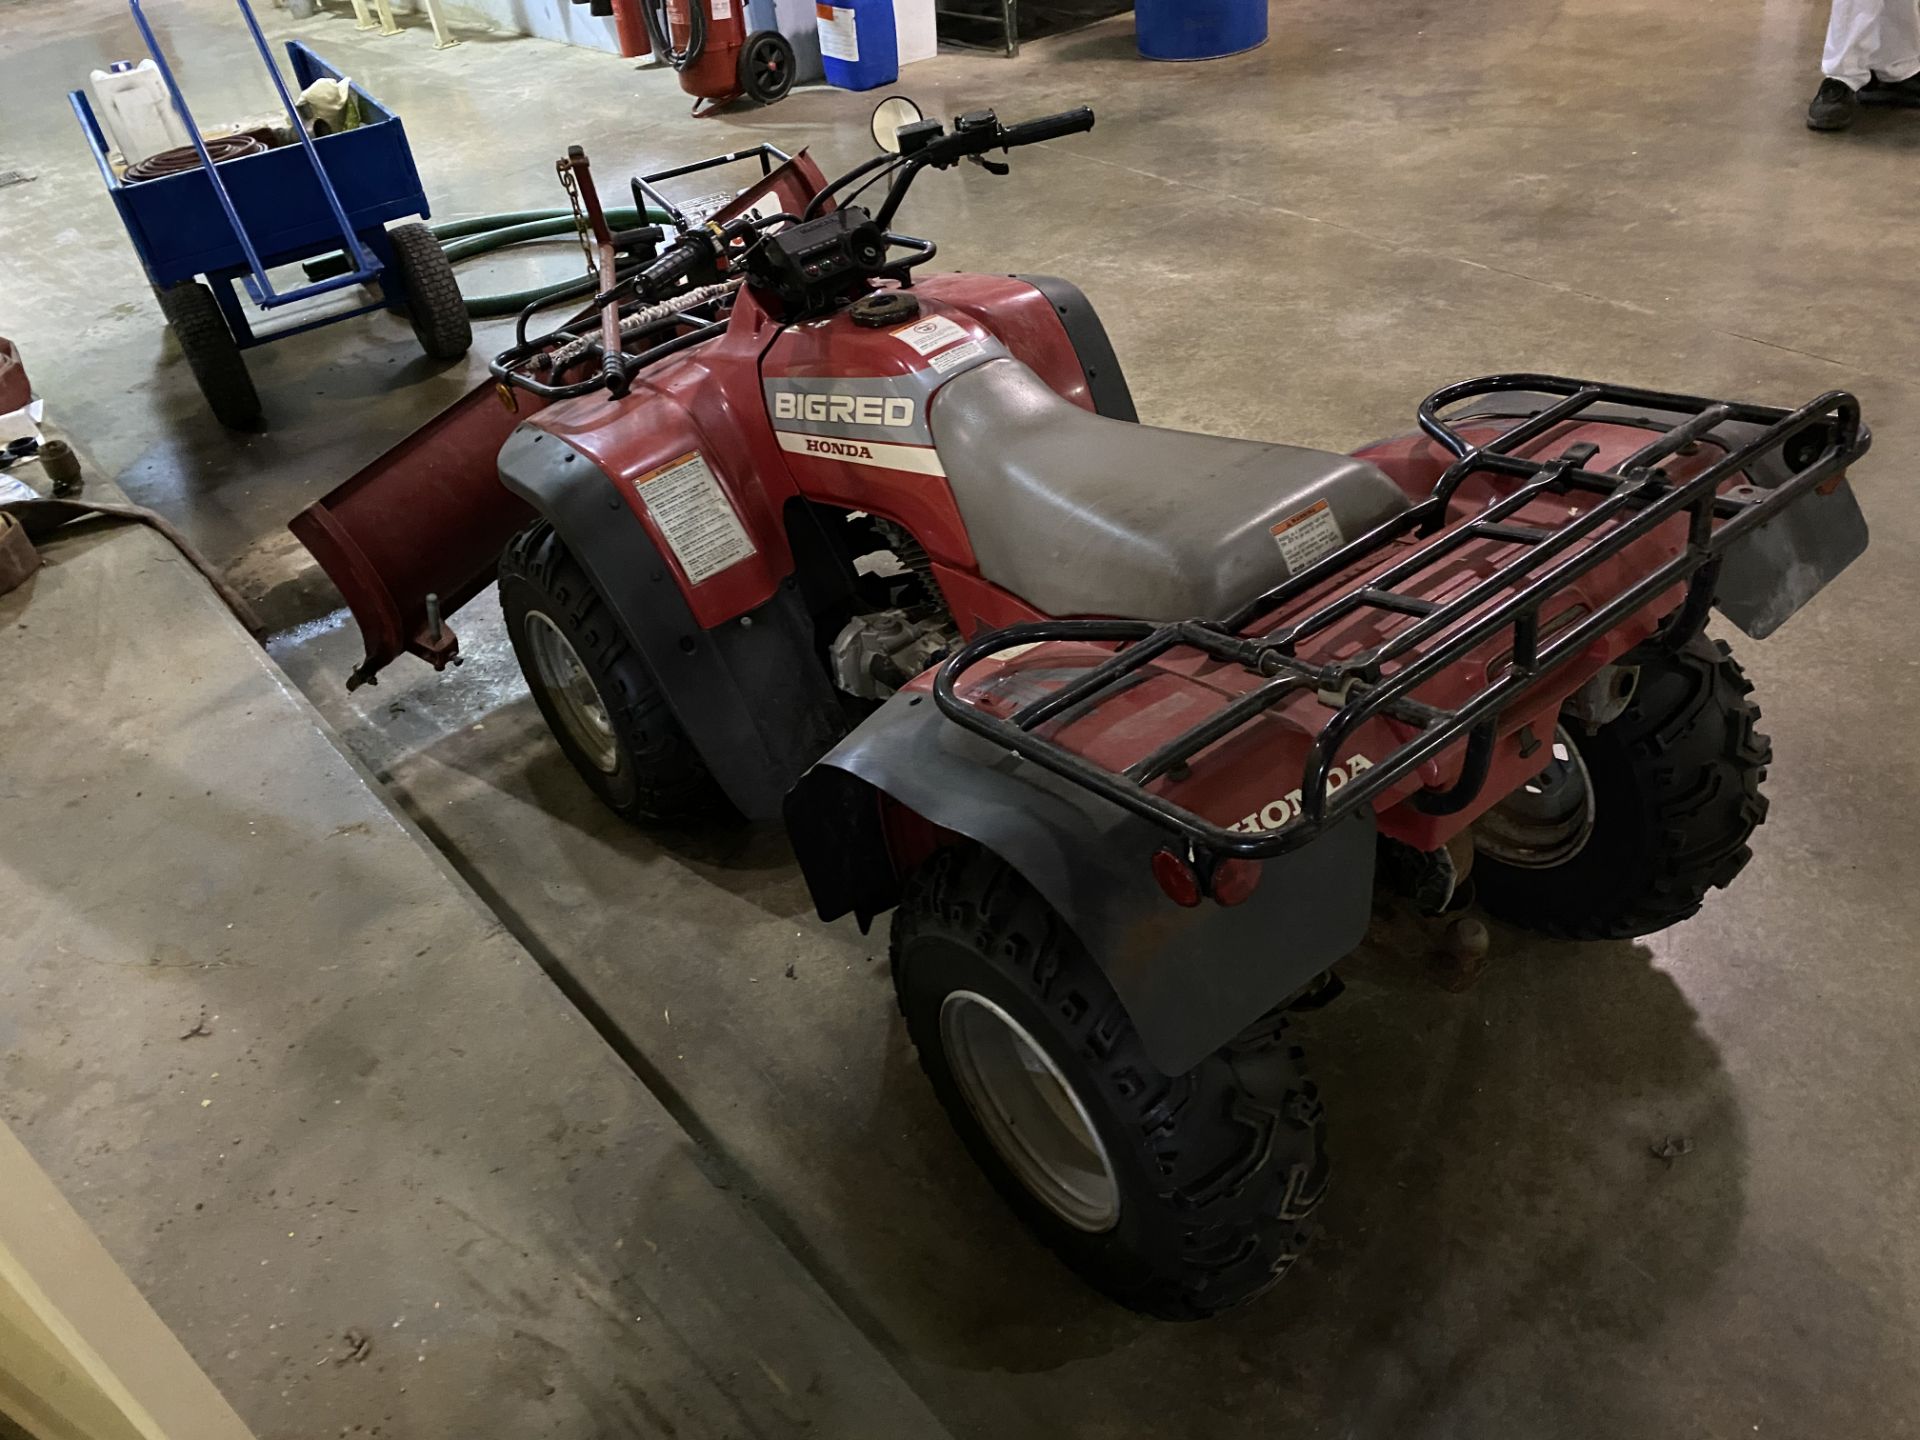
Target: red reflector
[(1235, 880), (1176, 877)]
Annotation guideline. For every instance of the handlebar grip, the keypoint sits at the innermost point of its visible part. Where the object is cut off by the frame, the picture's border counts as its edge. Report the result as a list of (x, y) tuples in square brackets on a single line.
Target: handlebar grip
[(679, 262), (1049, 127)]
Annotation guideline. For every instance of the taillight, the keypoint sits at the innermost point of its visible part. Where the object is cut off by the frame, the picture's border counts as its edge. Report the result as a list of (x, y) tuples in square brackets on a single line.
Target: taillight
[(1177, 878), (1233, 880)]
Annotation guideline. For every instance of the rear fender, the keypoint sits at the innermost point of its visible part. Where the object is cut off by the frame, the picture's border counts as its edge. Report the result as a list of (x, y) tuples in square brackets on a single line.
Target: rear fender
[(1191, 979), (749, 691)]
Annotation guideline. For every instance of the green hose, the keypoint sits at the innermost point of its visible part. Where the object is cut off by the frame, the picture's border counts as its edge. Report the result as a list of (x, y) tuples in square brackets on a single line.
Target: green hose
[(513, 229), (481, 234), (495, 232), (476, 224)]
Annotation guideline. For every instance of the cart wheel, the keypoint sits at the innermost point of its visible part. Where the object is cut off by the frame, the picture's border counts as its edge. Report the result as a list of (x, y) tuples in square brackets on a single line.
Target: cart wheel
[(434, 305), (215, 360), (766, 67)]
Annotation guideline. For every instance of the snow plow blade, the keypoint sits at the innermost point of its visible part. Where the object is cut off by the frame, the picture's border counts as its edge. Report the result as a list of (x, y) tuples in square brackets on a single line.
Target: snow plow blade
[(418, 533)]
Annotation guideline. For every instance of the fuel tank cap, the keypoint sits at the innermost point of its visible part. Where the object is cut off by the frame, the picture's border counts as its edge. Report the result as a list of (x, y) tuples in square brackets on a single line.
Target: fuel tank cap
[(885, 307)]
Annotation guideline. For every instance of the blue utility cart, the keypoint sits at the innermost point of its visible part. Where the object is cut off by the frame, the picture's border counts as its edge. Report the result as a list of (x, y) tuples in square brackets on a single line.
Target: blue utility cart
[(202, 230)]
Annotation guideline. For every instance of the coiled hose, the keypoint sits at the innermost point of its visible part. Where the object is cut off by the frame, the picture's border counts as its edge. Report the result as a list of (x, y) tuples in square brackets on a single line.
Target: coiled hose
[(482, 234), (659, 33), (174, 162)]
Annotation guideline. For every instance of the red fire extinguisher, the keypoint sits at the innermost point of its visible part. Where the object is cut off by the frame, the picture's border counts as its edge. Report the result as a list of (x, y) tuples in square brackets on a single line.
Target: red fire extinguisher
[(707, 41)]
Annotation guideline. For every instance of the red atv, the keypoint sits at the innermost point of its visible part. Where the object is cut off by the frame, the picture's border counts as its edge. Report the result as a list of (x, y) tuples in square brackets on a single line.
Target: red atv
[(1122, 723)]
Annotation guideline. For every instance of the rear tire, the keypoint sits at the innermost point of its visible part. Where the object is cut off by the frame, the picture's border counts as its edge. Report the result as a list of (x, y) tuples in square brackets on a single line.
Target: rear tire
[(435, 308), (612, 722), (1675, 791), (218, 367), (1212, 1175)]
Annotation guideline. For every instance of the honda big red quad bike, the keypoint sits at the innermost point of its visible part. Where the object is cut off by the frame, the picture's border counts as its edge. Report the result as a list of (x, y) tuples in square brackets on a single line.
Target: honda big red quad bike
[(1120, 723)]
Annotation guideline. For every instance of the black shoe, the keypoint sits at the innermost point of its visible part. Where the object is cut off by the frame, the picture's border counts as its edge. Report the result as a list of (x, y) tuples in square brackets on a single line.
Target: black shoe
[(1834, 106), (1904, 93)]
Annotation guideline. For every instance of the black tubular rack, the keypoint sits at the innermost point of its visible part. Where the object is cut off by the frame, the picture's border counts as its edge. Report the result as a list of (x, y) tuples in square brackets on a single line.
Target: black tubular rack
[(506, 367), (1816, 443)]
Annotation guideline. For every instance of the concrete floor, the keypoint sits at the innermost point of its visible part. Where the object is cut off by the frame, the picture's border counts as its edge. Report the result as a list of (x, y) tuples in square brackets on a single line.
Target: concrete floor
[(1293, 244), (360, 1155)]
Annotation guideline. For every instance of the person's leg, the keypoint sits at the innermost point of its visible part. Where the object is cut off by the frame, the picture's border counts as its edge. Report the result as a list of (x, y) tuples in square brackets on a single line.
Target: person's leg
[(1853, 39), (1896, 55)]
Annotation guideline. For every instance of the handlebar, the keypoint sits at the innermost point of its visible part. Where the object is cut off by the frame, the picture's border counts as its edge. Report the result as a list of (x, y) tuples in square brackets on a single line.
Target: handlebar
[(973, 135), (683, 257), (1048, 127), (979, 131), (674, 265), (741, 244), (931, 145), (697, 248)]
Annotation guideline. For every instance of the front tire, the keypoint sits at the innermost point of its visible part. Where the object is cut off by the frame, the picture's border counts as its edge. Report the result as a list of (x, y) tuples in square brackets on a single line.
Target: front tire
[(599, 698), (1672, 796), (1177, 1196)]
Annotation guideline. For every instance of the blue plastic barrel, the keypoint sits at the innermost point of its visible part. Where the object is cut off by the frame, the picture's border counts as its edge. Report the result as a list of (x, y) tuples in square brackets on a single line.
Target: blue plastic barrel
[(1199, 29), (859, 48)]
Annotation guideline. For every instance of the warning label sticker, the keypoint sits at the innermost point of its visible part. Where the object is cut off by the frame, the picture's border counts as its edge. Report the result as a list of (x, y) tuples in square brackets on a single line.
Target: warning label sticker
[(695, 516), (839, 35), (927, 336), (958, 356), (1305, 537)]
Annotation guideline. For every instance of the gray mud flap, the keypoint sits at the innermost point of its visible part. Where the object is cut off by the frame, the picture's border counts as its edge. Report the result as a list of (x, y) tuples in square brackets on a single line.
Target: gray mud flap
[(1191, 979), (1770, 573)]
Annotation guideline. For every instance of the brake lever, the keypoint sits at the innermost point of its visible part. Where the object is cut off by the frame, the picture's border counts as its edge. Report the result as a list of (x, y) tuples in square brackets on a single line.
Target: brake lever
[(992, 167)]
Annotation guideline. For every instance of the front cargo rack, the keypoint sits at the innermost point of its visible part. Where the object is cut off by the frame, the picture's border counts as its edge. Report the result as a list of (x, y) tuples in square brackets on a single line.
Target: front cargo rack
[(1816, 443), (693, 317)]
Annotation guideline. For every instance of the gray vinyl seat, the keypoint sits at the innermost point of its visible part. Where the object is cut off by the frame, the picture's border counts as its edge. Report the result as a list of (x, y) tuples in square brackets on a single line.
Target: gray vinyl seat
[(1078, 514)]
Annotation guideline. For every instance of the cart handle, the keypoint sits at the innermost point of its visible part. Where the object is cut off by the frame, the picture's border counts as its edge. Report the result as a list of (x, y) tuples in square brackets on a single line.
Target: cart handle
[(365, 267)]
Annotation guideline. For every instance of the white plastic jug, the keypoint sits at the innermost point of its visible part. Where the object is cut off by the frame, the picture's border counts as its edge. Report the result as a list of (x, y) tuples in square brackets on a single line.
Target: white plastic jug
[(136, 111)]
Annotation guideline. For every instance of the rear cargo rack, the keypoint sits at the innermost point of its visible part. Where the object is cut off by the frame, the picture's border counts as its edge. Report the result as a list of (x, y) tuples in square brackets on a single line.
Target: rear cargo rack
[(1816, 443)]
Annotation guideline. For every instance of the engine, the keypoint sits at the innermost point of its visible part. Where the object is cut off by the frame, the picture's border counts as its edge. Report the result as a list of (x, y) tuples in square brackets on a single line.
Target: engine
[(874, 655), (877, 652)]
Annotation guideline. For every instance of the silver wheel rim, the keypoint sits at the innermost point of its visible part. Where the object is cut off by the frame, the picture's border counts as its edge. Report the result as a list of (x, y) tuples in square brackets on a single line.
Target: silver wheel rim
[(1548, 820), (1029, 1111), (564, 677)]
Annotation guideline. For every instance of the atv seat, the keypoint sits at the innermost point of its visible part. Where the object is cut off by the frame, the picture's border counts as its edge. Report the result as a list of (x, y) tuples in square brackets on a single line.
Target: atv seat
[(1078, 514)]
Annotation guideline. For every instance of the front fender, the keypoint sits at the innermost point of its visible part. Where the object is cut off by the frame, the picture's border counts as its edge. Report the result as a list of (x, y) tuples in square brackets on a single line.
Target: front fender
[(1191, 979), (748, 692)]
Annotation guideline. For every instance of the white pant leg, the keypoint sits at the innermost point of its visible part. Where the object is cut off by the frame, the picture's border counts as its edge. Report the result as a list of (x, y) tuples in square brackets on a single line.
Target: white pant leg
[(1898, 55), (1869, 37)]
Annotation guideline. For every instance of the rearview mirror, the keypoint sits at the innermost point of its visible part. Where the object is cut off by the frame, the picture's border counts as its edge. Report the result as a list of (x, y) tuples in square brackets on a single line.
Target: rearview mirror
[(890, 117)]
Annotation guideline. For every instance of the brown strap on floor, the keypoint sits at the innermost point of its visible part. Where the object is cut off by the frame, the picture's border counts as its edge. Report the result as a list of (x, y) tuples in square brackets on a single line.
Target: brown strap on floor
[(18, 558), (40, 518)]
